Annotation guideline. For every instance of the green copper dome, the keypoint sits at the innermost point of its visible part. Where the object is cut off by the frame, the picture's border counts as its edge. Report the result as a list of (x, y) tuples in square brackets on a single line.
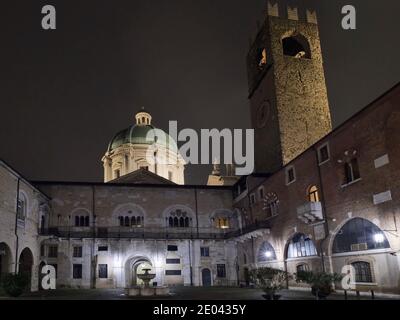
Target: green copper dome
[(138, 134)]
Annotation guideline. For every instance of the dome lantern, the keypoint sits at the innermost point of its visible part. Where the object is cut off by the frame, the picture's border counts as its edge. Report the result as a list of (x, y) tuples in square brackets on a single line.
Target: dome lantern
[(143, 118)]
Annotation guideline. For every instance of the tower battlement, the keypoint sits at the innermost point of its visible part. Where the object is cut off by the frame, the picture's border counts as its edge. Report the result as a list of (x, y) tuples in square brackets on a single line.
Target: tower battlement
[(291, 12)]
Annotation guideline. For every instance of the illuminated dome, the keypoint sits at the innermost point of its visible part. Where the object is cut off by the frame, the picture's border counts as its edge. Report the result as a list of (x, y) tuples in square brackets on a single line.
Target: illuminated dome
[(127, 151)]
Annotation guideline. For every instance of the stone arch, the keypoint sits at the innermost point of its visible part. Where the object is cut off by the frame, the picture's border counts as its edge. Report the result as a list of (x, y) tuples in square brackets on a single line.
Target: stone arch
[(131, 266), (186, 212), (124, 213), (224, 217), (309, 247), (266, 253), (363, 222), (295, 44), (26, 263), (6, 259), (79, 213)]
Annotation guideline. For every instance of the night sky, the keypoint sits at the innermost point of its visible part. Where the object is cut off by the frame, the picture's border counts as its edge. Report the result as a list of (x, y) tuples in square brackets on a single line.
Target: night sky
[(65, 93)]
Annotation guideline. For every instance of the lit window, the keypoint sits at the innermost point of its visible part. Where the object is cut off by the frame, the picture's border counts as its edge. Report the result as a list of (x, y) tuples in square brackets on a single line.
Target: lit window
[(262, 57), (222, 223), (301, 246), (359, 235), (313, 195)]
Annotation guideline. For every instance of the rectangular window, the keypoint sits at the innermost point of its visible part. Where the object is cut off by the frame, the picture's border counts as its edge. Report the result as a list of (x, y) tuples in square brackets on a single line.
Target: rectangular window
[(205, 251), (169, 175), (290, 175), (77, 252), (77, 271), (221, 272), (173, 261), (103, 271), (323, 154), (172, 272), (172, 248), (102, 248), (351, 171), (53, 252), (117, 174)]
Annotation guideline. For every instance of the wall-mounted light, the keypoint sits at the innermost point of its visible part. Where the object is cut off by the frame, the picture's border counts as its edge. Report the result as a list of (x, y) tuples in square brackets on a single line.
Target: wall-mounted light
[(379, 238)]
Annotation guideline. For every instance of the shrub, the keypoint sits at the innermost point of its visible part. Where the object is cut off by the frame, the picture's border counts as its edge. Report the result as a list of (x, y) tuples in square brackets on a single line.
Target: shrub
[(14, 284), (269, 280), (320, 282)]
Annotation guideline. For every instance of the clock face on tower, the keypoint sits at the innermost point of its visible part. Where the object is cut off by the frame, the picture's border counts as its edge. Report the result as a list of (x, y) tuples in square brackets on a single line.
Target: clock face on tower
[(263, 113)]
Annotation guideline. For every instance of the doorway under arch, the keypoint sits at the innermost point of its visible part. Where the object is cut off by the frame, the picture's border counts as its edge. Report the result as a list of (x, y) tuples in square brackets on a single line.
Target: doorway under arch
[(5, 259), (135, 266), (206, 277), (26, 263)]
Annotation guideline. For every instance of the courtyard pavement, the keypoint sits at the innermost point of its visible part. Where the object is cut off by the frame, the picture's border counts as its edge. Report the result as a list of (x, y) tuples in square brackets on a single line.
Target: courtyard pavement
[(181, 293)]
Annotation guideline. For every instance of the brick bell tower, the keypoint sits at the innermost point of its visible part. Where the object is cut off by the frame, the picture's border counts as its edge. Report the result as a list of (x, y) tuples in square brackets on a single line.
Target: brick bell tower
[(287, 90)]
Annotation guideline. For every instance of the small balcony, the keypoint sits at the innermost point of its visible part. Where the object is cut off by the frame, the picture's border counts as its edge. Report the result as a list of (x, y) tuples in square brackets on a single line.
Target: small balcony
[(310, 212)]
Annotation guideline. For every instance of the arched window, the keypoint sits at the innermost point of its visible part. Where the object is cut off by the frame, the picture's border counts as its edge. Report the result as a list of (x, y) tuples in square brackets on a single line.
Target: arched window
[(21, 207), (271, 205), (76, 221), (139, 221), (363, 272), (296, 46), (186, 222), (133, 221), (81, 221), (266, 252), (87, 221), (313, 195), (178, 219), (127, 222), (121, 221), (301, 246), (357, 235)]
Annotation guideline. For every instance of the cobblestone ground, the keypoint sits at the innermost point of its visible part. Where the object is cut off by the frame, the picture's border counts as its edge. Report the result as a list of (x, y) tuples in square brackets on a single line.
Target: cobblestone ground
[(182, 293)]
